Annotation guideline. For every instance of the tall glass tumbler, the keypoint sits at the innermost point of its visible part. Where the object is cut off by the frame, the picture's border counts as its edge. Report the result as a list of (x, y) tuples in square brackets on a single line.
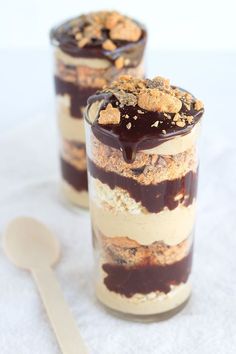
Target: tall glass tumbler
[(89, 51), (143, 172)]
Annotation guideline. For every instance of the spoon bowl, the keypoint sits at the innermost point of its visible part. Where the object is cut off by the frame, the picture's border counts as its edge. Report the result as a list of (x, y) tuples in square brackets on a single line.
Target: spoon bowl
[(30, 244)]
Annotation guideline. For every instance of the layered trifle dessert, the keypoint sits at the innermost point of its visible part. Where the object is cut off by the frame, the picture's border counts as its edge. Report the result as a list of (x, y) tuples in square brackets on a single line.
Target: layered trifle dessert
[(90, 51), (143, 171)]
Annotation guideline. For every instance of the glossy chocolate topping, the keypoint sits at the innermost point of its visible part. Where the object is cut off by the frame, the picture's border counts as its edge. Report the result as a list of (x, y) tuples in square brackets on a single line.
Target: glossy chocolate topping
[(142, 134), (146, 278), (95, 30), (78, 95), (154, 197), (143, 128), (76, 178)]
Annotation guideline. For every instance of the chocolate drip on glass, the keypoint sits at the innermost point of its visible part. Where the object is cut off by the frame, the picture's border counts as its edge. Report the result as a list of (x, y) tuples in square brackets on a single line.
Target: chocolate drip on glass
[(133, 51), (144, 132)]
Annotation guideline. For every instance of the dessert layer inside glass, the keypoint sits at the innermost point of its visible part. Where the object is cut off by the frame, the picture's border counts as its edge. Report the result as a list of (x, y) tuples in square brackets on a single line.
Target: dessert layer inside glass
[(90, 51), (143, 171)]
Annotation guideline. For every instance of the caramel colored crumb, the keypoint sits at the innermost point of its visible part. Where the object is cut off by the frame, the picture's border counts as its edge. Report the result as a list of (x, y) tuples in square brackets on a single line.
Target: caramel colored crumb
[(198, 105), (155, 124), (109, 45), (176, 106), (78, 36), (112, 19), (83, 42), (110, 115), (119, 63), (158, 101), (189, 119), (92, 31), (105, 26), (125, 98), (126, 30), (180, 123)]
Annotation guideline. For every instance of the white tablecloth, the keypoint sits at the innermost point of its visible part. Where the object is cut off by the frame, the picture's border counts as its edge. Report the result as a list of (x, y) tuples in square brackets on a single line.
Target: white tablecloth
[(28, 186)]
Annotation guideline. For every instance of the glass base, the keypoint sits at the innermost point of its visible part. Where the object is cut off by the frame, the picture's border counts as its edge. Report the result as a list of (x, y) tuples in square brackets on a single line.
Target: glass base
[(146, 318)]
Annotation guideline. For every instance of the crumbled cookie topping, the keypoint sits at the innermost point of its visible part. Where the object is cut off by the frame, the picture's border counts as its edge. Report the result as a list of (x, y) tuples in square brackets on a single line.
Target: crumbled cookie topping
[(126, 30), (133, 115), (103, 32), (119, 63), (198, 105), (174, 107), (108, 45), (103, 27), (110, 115), (158, 101)]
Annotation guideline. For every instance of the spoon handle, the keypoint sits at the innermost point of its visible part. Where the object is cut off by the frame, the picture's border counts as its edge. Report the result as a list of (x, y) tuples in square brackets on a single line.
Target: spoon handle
[(62, 321)]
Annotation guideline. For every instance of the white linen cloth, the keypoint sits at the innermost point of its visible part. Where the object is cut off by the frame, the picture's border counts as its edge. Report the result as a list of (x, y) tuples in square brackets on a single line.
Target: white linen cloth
[(29, 186)]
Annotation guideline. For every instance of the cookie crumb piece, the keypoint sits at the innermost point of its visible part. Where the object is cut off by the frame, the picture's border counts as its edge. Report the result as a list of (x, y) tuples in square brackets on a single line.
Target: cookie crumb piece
[(109, 45), (180, 123), (129, 125), (164, 131), (109, 115), (167, 116), (126, 30), (112, 20), (82, 43), (177, 117), (127, 61), (189, 119), (140, 112), (78, 36), (157, 101), (125, 99), (198, 105), (161, 81), (135, 117), (119, 63), (155, 124)]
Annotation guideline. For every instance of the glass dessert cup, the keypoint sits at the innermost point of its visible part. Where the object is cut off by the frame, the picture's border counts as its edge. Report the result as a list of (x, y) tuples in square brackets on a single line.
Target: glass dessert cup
[(88, 54), (143, 171)]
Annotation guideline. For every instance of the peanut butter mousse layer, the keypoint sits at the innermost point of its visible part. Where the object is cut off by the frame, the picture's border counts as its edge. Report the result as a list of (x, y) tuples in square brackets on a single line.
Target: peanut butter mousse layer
[(92, 50), (143, 172)]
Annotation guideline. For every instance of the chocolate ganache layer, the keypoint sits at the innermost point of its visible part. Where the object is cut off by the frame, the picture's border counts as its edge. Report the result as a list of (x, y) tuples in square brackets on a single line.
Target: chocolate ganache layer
[(76, 178), (136, 114), (102, 34), (78, 95), (154, 197), (143, 279)]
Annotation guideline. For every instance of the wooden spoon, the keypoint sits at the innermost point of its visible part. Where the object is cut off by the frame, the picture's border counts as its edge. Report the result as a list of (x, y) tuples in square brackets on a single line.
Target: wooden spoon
[(30, 245)]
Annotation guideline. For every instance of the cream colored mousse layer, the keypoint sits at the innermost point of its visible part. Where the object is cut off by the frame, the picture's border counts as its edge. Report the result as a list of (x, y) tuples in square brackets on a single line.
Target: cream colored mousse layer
[(139, 304), (70, 128), (178, 144), (173, 146), (95, 63), (115, 214), (74, 196)]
